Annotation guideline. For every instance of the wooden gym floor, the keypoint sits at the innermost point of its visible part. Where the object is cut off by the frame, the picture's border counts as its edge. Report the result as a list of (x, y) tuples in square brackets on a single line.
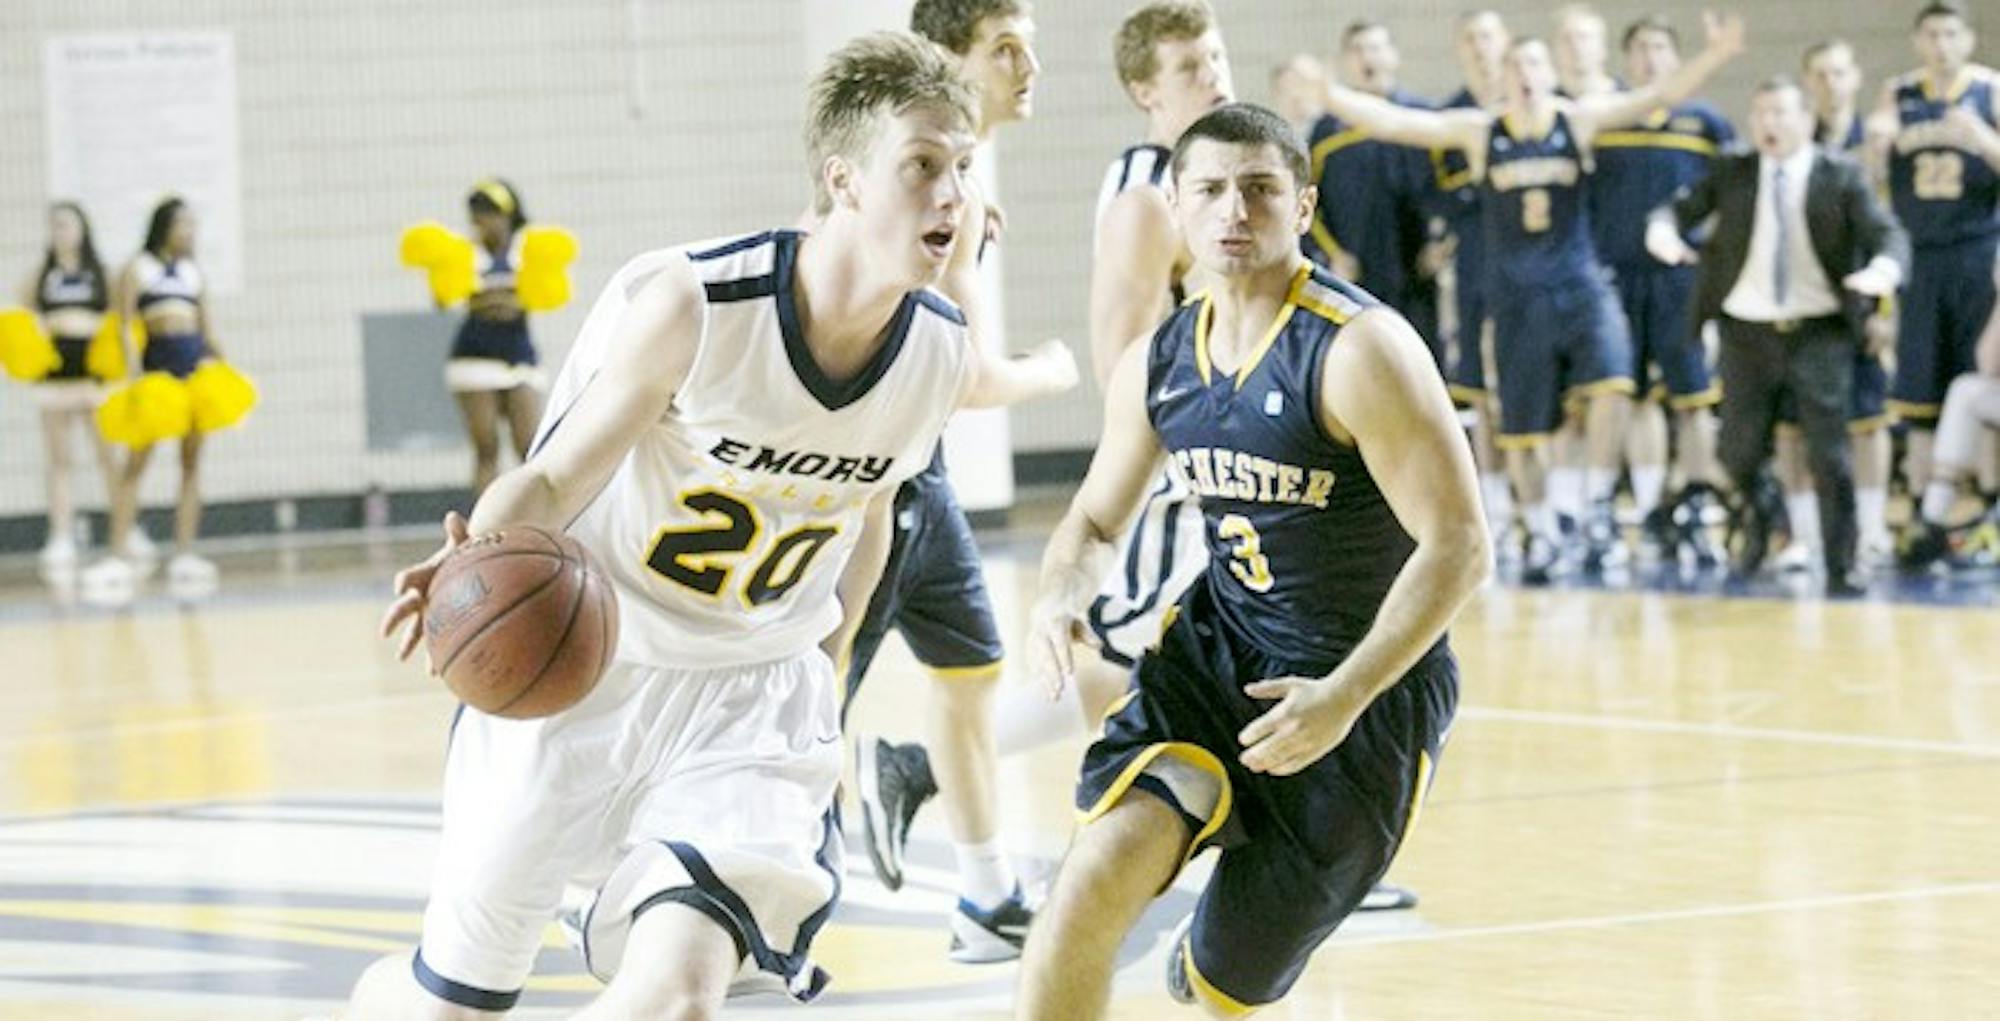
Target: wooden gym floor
[(1654, 806)]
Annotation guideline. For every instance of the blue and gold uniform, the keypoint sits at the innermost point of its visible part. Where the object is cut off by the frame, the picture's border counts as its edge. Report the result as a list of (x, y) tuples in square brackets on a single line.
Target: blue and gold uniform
[(1303, 549), (1560, 334), (1638, 170), (493, 349), (1948, 198), (60, 289), (1456, 198), (168, 284), (1371, 206)]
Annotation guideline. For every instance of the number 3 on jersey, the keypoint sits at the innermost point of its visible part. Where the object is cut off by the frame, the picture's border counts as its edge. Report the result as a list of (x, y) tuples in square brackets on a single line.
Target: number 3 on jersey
[(703, 557), (1247, 561)]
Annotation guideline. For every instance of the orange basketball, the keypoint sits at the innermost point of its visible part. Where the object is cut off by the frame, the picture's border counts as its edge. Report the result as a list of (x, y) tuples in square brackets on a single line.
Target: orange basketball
[(520, 622)]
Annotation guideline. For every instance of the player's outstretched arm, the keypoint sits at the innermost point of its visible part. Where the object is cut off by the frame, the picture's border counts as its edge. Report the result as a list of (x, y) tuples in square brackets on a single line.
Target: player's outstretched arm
[(997, 380), (1621, 109), (1079, 551), (1379, 386), (1403, 125), (861, 574), (1131, 275)]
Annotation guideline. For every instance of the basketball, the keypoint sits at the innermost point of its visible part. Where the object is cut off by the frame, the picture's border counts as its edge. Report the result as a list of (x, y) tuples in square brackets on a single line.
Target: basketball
[(520, 623)]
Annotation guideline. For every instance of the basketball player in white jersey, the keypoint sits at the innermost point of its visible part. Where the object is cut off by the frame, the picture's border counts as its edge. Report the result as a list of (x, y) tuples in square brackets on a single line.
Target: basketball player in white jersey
[(1172, 64), (726, 438)]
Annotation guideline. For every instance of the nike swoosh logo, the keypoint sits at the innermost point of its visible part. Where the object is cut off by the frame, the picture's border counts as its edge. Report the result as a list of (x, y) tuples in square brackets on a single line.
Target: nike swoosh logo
[(1164, 395)]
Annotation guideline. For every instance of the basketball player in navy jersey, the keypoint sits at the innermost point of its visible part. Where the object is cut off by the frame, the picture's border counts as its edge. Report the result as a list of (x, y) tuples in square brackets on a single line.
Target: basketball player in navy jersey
[(933, 591), (1832, 81), (1638, 169), (1938, 126), (1376, 233), (1480, 44), (1292, 710), (1561, 337)]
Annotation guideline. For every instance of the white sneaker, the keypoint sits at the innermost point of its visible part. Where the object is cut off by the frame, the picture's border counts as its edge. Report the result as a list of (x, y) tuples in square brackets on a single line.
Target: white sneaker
[(59, 554), (191, 570), (1795, 558), (111, 581), (1877, 551), (139, 546)]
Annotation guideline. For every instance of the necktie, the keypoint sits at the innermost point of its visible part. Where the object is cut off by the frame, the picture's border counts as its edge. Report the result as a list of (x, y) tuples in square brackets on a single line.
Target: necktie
[(1781, 270)]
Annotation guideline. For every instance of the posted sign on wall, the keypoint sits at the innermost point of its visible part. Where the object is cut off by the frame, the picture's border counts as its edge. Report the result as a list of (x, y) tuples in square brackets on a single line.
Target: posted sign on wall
[(134, 117)]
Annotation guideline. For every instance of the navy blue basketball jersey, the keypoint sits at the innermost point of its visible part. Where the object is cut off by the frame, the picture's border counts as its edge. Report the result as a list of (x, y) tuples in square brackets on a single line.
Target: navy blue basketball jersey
[(1640, 168), (1369, 192), (1302, 545), (1857, 133), (1537, 220), (1941, 193)]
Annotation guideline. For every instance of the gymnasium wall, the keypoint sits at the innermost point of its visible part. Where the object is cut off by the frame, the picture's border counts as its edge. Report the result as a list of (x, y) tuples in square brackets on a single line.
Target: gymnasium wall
[(635, 123)]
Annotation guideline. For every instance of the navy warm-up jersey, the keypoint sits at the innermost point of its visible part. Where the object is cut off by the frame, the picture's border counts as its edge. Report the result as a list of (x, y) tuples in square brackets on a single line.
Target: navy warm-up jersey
[(1640, 168), (1370, 194), (1857, 133), (1942, 194), (1303, 546), (1537, 219)]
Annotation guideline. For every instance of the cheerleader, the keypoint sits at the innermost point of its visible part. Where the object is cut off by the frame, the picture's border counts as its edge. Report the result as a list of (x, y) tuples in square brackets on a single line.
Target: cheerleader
[(161, 291), (71, 298), (493, 371)]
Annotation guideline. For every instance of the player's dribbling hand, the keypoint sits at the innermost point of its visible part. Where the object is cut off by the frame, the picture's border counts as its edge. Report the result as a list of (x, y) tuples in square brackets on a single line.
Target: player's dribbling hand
[(1053, 631), (413, 584), (1312, 718)]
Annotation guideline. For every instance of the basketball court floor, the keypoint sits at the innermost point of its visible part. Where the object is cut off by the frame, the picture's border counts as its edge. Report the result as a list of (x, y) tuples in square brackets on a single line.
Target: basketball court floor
[(1654, 805)]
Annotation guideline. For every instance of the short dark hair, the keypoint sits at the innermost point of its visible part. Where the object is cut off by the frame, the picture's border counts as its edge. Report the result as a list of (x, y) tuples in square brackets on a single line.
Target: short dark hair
[(953, 23), (1357, 27), (1940, 9), (162, 222), (1246, 124), (1650, 23)]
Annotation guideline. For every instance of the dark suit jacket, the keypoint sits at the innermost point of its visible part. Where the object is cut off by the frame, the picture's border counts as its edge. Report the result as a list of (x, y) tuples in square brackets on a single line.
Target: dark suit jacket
[(1848, 227)]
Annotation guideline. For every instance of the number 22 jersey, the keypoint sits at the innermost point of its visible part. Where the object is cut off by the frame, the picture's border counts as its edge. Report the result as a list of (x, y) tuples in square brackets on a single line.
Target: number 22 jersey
[(727, 526)]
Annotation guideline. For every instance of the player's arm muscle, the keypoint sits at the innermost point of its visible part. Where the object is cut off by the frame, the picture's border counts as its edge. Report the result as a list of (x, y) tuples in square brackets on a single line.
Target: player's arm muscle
[(649, 353), (1379, 386), (861, 574), (1130, 276)]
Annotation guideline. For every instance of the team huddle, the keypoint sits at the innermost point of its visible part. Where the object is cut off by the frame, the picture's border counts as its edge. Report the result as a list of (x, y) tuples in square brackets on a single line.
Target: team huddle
[(1252, 587)]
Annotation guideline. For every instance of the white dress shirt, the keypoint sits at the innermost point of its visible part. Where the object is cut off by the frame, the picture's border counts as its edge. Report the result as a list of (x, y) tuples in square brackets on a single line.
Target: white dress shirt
[(1808, 292)]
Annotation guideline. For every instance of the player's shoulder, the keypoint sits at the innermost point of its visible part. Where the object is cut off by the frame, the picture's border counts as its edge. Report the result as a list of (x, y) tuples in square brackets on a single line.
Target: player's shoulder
[(1322, 295), (1139, 166), (931, 306)]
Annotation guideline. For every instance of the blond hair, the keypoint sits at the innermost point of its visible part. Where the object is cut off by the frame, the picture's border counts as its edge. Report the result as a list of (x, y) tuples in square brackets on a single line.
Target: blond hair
[(875, 76), (1144, 29)]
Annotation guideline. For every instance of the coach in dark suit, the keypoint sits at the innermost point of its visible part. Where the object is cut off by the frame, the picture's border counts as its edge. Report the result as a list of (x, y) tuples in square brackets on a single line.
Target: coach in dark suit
[(1800, 253)]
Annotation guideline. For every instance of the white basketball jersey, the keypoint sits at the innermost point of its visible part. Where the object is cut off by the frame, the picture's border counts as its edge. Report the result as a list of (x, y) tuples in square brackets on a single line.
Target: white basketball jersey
[(1141, 166), (726, 528)]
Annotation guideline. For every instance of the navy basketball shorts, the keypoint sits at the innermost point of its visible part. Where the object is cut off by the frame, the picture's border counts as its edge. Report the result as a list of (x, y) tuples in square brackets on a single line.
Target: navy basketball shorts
[(1945, 305), (1668, 359), (1298, 853), (1468, 373), (1552, 346), (1867, 403), (933, 591)]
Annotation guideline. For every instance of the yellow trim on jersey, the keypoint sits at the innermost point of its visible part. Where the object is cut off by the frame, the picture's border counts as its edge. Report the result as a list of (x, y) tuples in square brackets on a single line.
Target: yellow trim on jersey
[(978, 672), (1654, 140), (1202, 316), (700, 563), (1192, 754), (1332, 144), (1510, 124), (1613, 384), (1306, 292), (1864, 426), (1957, 90), (1465, 393), (1221, 1001), (1271, 337), (1117, 706), (1449, 180)]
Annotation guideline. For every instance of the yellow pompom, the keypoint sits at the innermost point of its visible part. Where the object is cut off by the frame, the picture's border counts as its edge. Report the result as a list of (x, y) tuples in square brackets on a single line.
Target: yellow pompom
[(152, 408), (221, 395), (25, 351), (543, 280), (105, 357), (445, 256)]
